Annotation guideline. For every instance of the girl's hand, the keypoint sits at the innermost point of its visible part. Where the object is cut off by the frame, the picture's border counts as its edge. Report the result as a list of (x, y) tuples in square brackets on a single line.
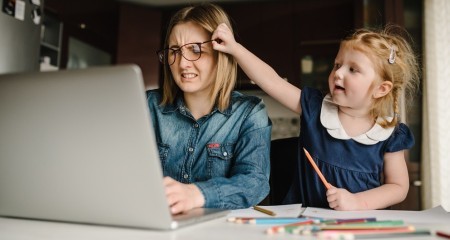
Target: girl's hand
[(343, 200), (182, 197), (225, 41)]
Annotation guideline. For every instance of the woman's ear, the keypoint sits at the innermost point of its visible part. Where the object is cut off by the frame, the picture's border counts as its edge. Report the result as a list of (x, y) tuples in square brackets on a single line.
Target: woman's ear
[(383, 89)]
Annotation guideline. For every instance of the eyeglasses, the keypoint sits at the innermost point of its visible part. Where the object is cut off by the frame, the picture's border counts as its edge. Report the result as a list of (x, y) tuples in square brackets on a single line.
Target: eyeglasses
[(190, 51)]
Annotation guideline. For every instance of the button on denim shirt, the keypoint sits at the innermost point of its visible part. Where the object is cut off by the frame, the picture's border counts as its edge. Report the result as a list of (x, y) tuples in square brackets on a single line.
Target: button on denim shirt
[(225, 154)]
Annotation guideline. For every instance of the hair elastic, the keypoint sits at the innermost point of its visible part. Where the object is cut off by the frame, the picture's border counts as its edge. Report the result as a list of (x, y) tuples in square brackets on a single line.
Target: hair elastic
[(391, 59)]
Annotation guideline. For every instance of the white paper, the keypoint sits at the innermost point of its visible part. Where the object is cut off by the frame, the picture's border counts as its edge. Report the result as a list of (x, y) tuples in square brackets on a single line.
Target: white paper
[(36, 2), (20, 10), (434, 215), (290, 210)]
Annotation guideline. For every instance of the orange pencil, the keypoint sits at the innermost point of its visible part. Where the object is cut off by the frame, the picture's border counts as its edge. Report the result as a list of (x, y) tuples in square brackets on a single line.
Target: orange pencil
[(327, 185)]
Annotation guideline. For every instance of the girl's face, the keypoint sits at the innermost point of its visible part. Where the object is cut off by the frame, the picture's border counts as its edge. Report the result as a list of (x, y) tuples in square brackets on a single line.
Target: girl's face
[(193, 77), (351, 80)]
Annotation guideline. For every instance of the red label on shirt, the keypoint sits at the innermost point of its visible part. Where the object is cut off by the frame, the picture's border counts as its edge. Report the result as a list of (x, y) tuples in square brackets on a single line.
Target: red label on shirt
[(213, 145)]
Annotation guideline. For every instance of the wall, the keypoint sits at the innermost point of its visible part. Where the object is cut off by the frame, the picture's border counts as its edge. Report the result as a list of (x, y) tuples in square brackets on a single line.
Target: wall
[(19, 37)]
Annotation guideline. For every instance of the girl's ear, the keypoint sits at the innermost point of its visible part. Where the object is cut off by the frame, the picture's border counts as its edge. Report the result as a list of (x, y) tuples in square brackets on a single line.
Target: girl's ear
[(383, 89)]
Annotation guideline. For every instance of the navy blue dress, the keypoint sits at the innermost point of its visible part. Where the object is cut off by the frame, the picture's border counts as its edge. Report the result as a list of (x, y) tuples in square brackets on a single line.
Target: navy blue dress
[(345, 163)]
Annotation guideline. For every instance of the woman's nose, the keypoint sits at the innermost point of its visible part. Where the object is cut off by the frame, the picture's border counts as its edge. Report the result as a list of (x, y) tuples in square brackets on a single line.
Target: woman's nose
[(184, 62)]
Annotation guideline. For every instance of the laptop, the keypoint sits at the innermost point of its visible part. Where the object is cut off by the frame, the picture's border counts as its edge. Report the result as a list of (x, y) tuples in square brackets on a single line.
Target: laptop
[(78, 146)]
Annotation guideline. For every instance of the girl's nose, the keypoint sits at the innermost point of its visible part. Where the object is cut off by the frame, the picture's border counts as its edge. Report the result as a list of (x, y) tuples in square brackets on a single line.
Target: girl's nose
[(338, 73)]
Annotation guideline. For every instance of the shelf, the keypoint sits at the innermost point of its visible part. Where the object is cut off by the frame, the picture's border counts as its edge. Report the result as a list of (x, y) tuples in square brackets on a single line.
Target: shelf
[(50, 46), (51, 40)]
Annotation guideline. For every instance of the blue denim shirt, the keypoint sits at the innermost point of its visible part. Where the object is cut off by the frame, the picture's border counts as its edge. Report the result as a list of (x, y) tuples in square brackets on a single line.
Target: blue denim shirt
[(225, 154)]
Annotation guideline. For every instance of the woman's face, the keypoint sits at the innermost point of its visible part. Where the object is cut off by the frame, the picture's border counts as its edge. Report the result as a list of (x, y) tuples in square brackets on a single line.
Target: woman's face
[(193, 77)]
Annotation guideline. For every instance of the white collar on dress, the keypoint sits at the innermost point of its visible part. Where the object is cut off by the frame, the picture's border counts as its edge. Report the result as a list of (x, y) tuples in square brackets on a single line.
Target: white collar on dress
[(330, 120)]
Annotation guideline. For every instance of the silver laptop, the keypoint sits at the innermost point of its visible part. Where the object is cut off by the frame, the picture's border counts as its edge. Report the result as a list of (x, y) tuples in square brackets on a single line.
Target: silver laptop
[(78, 146)]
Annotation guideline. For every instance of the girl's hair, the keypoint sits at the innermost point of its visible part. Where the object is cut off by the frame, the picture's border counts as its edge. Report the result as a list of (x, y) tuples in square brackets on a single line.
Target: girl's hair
[(394, 61), (208, 16)]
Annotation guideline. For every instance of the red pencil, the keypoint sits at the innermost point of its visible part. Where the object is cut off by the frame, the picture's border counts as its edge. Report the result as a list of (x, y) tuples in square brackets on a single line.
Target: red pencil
[(327, 185), (279, 229), (443, 234)]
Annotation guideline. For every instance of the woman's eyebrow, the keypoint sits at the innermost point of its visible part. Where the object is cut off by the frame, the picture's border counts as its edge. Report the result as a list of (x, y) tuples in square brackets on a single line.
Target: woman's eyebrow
[(173, 46)]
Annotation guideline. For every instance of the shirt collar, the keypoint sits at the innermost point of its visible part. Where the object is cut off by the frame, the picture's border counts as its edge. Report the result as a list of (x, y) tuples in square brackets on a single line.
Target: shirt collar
[(179, 105), (330, 120)]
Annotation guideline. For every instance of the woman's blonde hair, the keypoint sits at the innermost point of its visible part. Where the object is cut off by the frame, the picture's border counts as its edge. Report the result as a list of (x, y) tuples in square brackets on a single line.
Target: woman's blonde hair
[(394, 61), (208, 16)]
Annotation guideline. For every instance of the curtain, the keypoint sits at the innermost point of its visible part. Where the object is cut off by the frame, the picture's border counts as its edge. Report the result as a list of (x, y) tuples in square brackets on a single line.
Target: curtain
[(436, 113)]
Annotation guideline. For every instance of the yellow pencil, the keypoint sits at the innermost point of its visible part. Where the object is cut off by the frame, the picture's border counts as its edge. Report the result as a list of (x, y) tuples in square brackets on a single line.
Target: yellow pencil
[(263, 210), (327, 185)]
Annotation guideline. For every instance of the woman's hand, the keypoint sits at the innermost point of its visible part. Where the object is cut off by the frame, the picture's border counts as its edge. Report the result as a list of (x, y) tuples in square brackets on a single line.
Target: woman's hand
[(182, 197)]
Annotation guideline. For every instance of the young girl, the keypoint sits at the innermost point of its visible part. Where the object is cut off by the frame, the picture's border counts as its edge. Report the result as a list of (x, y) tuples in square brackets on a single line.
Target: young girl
[(353, 133)]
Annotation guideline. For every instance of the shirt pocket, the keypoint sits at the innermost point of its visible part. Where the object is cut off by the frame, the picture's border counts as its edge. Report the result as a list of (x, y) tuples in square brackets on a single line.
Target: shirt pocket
[(220, 158)]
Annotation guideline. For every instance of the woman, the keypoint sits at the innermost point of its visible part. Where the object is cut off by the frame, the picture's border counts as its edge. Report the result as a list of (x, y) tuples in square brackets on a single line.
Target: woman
[(213, 142)]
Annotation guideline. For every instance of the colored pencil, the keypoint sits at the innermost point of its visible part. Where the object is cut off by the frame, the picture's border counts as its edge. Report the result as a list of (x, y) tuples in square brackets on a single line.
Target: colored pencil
[(285, 228), (263, 210), (442, 234), (347, 221), (364, 225), (266, 220), (310, 230), (330, 235), (327, 185), (359, 228)]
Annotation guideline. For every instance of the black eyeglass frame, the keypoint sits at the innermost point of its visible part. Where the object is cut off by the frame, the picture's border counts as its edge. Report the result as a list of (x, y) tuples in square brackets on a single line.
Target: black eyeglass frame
[(162, 58)]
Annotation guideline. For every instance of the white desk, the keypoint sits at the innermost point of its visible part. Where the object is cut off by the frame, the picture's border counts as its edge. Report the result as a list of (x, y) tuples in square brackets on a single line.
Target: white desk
[(17, 229)]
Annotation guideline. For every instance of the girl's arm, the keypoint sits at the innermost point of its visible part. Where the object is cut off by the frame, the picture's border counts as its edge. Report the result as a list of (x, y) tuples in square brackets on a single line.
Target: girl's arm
[(257, 70), (396, 182), (393, 191)]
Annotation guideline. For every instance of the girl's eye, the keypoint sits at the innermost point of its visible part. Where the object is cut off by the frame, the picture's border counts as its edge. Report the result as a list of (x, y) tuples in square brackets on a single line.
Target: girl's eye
[(337, 66), (353, 69)]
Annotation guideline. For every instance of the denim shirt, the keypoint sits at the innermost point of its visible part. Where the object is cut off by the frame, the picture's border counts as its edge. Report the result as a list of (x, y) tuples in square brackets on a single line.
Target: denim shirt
[(225, 154)]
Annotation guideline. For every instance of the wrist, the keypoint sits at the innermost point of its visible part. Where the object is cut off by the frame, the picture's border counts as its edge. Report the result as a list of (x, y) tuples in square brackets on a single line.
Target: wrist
[(199, 199), (363, 204)]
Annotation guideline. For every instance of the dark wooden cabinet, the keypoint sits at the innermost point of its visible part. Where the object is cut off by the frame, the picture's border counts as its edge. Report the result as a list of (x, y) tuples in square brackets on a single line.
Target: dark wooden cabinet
[(92, 22), (267, 30), (139, 37), (282, 33), (320, 26)]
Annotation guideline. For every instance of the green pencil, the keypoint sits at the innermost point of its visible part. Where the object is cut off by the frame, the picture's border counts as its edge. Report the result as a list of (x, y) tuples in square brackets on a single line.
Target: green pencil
[(371, 235), (366, 225)]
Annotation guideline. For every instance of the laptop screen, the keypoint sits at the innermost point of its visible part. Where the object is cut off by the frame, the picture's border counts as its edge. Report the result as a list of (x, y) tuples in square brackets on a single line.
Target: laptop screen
[(77, 146)]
